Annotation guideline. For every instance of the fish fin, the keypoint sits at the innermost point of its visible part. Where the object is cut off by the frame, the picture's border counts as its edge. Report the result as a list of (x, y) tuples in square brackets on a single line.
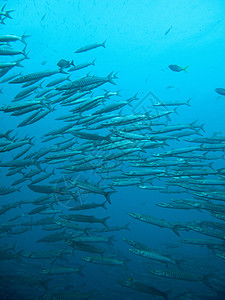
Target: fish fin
[(24, 37), (188, 102), (104, 204), (185, 69), (175, 230), (205, 280), (104, 221), (103, 44), (7, 13), (126, 226), (7, 134), (110, 77)]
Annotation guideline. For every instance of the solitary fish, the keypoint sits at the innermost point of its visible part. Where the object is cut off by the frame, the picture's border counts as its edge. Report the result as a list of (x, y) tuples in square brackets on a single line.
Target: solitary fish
[(65, 63), (168, 30), (177, 68), (220, 91)]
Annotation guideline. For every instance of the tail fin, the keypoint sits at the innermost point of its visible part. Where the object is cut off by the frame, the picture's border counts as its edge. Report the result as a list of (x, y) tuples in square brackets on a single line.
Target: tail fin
[(103, 44), (107, 196), (104, 205), (126, 226), (7, 134), (7, 13), (185, 69), (175, 230), (205, 280), (104, 221), (18, 64), (188, 102), (23, 38), (110, 77), (25, 54)]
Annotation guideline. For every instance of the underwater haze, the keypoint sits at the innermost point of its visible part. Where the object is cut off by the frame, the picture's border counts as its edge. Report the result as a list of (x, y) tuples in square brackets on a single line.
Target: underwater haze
[(112, 148)]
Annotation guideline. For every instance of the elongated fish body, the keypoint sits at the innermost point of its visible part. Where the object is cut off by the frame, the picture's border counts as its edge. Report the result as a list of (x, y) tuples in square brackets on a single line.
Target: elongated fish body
[(84, 247), (85, 218), (89, 206), (92, 188), (46, 189), (93, 239), (109, 261), (12, 38), (81, 66), (152, 255), (9, 65), (26, 92), (177, 275), (36, 76), (136, 245), (141, 287), (172, 103), (87, 81), (90, 47), (57, 81), (154, 221), (8, 51), (60, 271)]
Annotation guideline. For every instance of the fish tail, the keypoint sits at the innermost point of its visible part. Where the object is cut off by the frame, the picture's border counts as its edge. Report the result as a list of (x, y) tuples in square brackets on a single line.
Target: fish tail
[(103, 44), (104, 205), (23, 38), (202, 127), (107, 196), (127, 226), (7, 134), (18, 64), (185, 69), (104, 221), (205, 280), (7, 13), (175, 230), (188, 102), (110, 77)]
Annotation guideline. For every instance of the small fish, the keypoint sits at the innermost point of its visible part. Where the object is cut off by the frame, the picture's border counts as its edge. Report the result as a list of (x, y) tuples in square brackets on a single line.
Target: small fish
[(65, 63), (220, 91), (177, 68), (168, 30)]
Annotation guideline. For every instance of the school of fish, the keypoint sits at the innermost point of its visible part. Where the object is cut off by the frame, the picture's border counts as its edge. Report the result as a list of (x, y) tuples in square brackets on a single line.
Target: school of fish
[(99, 146)]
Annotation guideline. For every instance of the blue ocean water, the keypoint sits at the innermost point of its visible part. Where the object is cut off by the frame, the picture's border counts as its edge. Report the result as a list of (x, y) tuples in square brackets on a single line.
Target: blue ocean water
[(142, 39)]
